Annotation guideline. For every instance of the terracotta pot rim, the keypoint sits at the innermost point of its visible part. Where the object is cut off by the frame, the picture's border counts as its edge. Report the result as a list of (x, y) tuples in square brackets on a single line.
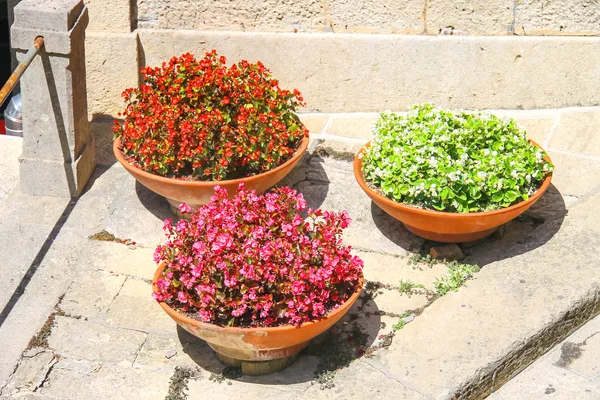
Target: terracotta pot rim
[(358, 174), (179, 316), (137, 171)]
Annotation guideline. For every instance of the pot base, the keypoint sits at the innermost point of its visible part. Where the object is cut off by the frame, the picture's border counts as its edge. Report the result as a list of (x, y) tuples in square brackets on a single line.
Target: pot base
[(450, 237), (174, 206), (257, 368)]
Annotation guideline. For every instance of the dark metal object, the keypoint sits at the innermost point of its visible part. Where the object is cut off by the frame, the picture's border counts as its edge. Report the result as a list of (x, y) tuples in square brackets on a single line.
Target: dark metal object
[(16, 75)]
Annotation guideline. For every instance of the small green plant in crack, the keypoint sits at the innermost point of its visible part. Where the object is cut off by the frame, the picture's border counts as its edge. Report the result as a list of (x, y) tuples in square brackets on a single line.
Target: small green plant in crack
[(179, 383), (457, 275), (407, 287), (226, 375)]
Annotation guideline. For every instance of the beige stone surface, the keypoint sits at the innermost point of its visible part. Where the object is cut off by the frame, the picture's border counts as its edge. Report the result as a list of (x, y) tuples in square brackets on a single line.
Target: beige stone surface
[(544, 17), (315, 123), (469, 17), (148, 316), (578, 132), (253, 15), (91, 294), (112, 67), (109, 15), (83, 340), (287, 384), (353, 126), (169, 351), (30, 374), (574, 175), (74, 379), (537, 129), (10, 150), (375, 16), (389, 269), (353, 73), (367, 382)]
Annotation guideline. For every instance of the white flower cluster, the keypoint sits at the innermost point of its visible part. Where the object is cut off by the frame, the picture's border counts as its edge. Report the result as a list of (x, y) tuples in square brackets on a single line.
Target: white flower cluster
[(453, 161)]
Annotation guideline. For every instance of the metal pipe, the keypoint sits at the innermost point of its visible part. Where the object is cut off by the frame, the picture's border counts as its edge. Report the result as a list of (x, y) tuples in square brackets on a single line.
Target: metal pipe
[(16, 75)]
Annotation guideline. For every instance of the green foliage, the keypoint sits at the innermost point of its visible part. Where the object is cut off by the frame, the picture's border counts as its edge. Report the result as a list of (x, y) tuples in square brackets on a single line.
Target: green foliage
[(399, 325), (458, 274), (407, 286), (454, 162)]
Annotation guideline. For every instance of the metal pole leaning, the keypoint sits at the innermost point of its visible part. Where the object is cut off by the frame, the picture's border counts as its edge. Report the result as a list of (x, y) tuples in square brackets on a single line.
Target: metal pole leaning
[(18, 72)]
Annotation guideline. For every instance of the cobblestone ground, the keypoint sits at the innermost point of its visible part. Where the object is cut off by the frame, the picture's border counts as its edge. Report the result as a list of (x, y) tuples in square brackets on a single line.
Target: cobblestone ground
[(105, 337)]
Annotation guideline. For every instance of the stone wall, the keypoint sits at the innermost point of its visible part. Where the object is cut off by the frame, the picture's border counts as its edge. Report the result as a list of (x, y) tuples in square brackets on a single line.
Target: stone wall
[(465, 17), (363, 55)]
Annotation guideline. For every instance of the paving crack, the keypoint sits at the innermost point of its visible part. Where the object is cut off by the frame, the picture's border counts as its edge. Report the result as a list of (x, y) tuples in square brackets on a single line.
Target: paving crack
[(380, 368), (137, 353), (47, 375), (115, 296)]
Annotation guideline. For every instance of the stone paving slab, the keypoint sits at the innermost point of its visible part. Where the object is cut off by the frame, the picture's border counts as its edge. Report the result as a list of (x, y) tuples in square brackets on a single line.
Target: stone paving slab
[(571, 370), (95, 342), (10, 149)]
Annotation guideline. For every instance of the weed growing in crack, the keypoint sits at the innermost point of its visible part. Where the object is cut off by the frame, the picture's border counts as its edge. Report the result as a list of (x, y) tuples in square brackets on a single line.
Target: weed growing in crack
[(457, 275), (179, 383), (226, 375), (105, 236), (40, 339), (407, 287), (336, 351)]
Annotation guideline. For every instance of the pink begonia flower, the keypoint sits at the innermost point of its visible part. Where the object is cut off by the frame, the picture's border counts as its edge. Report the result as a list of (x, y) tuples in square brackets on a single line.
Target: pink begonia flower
[(184, 208), (253, 260)]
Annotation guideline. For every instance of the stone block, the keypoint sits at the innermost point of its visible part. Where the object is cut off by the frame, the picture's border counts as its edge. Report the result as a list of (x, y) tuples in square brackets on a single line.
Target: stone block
[(167, 351), (75, 379), (390, 270), (574, 175), (577, 132), (285, 385), (365, 381), (353, 73), (109, 15), (469, 17), (252, 15), (574, 17), (116, 258), (339, 149), (91, 293), (315, 123), (52, 15), (134, 308), (376, 16), (112, 66), (353, 126), (84, 340), (55, 178), (537, 129), (30, 373)]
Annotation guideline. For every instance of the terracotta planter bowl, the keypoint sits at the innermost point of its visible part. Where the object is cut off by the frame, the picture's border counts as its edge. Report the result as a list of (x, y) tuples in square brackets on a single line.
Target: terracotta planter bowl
[(197, 193), (446, 226), (256, 344)]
